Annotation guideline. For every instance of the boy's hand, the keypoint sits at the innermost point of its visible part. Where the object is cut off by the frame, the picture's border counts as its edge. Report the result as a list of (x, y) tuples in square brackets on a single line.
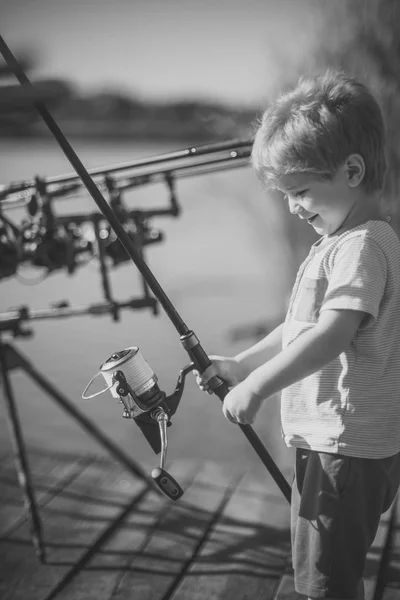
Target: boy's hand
[(241, 405), (227, 368)]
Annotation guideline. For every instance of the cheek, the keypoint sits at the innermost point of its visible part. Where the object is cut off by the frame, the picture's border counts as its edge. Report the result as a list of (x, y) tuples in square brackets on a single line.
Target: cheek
[(329, 207), (313, 206)]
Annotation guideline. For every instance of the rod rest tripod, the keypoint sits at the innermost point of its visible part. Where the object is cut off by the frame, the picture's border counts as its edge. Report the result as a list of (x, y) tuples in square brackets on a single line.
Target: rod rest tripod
[(10, 359)]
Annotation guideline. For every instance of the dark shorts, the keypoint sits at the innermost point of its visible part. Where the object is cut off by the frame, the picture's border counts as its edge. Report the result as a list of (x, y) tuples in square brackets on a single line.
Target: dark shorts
[(336, 506)]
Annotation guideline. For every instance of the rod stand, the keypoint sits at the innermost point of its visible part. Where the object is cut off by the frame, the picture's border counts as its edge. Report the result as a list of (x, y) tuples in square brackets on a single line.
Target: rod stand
[(20, 455), (10, 359)]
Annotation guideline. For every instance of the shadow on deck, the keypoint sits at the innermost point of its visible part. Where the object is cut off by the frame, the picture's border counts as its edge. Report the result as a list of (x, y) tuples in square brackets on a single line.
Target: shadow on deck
[(108, 534)]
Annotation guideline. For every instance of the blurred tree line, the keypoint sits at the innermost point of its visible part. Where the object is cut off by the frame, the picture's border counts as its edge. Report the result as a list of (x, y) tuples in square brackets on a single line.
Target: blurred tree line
[(370, 50), (113, 114), (363, 38)]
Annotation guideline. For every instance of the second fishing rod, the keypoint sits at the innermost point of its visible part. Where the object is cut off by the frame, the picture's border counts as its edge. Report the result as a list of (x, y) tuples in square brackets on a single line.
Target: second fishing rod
[(188, 338)]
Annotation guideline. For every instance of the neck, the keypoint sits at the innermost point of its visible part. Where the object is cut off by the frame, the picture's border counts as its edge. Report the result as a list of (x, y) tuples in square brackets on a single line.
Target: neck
[(365, 208)]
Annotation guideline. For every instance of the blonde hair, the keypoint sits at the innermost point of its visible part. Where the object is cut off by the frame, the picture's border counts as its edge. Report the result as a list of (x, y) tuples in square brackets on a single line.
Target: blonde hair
[(316, 126)]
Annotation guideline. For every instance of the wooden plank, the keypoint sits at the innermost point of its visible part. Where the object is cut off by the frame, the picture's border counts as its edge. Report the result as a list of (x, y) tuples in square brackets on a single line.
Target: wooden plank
[(72, 521), (5, 458), (286, 591), (374, 556), (115, 561), (48, 473), (392, 575), (391, 592), (154, 573), (246, 552)]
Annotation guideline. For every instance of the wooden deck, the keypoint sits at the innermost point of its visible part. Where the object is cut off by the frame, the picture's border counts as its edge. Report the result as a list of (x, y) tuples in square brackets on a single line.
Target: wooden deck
[(110, 536)]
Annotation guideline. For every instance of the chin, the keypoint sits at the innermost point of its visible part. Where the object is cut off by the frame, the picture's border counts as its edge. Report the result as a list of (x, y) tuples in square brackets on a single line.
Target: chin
[(325, 229), (320, 230)]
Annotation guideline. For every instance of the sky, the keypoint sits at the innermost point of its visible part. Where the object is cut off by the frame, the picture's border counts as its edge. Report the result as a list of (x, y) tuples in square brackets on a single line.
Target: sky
[(234, 51)]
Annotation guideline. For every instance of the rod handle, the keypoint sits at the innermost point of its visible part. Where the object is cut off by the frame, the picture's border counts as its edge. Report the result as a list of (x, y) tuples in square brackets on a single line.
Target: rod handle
[(201, 361), (218, 386)]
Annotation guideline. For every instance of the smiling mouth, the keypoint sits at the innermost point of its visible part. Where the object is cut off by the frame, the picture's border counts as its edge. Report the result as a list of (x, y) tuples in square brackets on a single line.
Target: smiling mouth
[(312, 219)]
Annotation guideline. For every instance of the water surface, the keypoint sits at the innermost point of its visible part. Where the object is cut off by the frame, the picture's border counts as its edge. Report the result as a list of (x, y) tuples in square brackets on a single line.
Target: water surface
[(224, 263)]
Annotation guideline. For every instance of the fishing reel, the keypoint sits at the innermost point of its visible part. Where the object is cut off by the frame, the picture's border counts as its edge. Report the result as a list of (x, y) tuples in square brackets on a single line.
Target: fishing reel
[(140, 232), (9, 252), (133, 383), (62, 247)]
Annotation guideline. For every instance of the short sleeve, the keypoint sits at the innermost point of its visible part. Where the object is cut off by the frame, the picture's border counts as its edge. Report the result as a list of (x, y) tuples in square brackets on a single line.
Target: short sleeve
[(358, 278)]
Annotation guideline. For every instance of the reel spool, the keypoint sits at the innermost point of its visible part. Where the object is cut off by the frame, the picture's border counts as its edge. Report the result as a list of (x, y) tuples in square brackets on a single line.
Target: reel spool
[(133, 383), (131, 380)]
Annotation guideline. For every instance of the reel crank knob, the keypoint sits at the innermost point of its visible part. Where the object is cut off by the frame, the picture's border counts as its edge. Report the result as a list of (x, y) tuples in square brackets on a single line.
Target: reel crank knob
[(167, 483)]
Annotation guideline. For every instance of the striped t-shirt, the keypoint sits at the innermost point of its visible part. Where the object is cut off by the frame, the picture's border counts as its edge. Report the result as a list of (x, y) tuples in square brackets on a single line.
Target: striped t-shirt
[(352, 405)]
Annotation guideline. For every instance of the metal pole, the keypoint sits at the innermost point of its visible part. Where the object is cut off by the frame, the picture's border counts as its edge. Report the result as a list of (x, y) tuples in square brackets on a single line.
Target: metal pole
[(20, 458)]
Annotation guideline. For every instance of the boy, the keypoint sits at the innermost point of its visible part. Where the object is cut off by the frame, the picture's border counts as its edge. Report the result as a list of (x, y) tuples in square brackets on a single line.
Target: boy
[(337, 355)]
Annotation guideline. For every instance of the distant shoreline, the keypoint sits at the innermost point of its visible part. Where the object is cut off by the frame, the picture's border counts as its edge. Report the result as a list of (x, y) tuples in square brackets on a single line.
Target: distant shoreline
[(114, 116), (117, 132), (124, 130)]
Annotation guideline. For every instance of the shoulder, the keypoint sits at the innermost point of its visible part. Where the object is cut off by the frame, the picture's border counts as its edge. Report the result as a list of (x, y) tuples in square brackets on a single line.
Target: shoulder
[(376, 231), (372, 235), (372, 246)]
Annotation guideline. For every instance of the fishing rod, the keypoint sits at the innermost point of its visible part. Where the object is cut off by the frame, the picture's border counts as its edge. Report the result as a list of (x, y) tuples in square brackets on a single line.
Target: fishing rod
[(16, 194), (147, 398), (13, 319), (183, 163)]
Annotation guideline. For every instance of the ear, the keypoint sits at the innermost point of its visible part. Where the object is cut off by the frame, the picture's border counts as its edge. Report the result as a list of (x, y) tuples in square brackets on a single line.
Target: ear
[(355, 169)]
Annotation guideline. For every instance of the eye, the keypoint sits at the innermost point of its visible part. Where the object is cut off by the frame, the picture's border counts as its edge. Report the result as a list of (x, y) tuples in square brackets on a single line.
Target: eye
[(301, 193)]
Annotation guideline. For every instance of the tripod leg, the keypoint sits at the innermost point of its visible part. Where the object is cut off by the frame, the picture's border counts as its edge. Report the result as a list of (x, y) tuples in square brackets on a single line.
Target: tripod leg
[(83, 421), (20, 459)]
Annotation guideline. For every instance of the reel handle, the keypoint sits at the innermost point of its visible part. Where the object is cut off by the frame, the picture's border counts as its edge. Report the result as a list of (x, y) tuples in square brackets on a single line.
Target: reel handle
[(167, 484)]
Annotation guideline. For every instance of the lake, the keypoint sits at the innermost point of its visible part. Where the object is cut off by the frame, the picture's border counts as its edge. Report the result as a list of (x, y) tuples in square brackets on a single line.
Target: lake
[(224, 264)]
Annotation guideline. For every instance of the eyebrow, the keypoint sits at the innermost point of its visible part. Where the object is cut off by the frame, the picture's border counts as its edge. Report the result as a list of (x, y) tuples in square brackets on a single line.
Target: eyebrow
[(297, 188), (294, 187)]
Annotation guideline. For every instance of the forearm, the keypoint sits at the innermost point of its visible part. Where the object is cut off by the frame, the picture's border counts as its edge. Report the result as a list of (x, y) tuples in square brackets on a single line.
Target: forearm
[(307, 354), (265, 349)]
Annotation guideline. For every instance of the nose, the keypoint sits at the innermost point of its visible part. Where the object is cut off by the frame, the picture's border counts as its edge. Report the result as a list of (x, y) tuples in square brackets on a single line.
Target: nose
[(294, 207)]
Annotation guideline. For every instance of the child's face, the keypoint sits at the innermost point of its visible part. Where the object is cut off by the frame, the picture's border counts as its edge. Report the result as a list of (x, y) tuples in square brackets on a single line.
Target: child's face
[(323, 204)]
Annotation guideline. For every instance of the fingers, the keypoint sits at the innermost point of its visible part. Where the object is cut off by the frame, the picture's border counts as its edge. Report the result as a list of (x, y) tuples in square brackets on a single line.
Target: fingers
[(203, 378), (237, 419), (228, 415), (235, 414), (203, 385)]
